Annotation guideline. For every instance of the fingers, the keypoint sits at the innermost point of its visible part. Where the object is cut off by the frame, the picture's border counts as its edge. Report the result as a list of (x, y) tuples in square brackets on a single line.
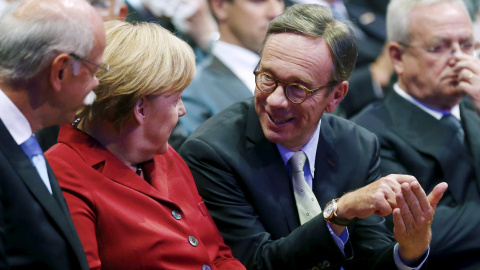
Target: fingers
[(403, 178), (436, 194), (400, 230), (408, 206)]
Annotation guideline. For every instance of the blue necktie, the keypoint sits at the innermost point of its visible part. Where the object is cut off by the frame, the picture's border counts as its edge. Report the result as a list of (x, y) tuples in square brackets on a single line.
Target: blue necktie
[(35, 154), (453, 123)]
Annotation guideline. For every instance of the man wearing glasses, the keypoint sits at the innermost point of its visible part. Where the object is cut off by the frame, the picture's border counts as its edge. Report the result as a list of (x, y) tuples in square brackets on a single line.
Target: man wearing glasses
[(429, 126), (49, 53), (283, 180), (108, 10)]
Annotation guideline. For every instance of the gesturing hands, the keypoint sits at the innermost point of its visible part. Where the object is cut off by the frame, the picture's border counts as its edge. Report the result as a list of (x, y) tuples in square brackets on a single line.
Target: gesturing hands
[(412, 210)]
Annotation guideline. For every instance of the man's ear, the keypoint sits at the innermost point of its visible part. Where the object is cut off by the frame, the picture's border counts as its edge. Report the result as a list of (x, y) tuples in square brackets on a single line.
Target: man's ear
[(395, 50), (338, 93), (58, 70), (219, 9), (140, 110)]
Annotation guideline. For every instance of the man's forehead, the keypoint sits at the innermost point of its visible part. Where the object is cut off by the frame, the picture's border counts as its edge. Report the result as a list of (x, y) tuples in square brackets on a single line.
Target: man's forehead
[(294, 57)]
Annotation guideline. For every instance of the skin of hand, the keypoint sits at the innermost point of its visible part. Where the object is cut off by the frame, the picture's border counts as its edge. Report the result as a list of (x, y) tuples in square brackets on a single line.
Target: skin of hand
[(412, 209), (467, 68), (413, 219), (382, 69)]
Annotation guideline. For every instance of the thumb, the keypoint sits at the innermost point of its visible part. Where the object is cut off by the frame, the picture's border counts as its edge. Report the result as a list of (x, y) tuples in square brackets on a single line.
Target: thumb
[(436, 194)]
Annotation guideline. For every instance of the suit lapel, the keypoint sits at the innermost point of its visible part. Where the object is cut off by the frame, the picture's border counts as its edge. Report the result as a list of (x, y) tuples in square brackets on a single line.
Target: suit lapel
[(224, 76), (324, 180), (54, 205), (408, 121), (471, 126), (118, 172), (270, 168)]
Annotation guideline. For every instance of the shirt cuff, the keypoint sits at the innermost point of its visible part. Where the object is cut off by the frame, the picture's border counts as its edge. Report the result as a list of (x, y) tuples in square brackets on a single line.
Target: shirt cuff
[(342, 240), (400, 265)]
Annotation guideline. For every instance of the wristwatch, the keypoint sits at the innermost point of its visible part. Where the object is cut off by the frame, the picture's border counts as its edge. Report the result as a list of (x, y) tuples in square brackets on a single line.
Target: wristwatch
[(330, 214)]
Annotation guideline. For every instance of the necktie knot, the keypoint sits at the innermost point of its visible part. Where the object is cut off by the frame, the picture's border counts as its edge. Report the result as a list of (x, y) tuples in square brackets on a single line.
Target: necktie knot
[(31, 147), (297, 161)]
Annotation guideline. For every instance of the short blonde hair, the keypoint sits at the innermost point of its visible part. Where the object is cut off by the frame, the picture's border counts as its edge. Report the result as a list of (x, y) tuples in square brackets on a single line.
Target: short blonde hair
[(144, 59)]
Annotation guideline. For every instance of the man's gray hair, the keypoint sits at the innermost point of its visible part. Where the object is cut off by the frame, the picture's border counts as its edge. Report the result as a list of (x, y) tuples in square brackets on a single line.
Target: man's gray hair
[(28, 43), (398, 17)]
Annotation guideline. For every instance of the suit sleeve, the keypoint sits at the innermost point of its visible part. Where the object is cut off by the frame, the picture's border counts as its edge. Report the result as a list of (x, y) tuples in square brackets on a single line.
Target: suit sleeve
[(453, 225), (80, 203), (236, 217)]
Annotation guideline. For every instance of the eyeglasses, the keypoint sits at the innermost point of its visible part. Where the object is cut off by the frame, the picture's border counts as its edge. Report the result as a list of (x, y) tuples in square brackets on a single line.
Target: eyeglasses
[(103, 66), (295, 92), (447, 48)]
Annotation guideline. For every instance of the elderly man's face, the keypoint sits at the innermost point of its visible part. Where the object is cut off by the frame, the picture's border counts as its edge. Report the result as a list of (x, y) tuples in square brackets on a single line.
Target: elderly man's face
[(426, 68), (295, 58)]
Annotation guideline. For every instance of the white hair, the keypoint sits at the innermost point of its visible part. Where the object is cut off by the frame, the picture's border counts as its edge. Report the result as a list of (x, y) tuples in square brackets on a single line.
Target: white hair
[(29, 39), (398, 15)]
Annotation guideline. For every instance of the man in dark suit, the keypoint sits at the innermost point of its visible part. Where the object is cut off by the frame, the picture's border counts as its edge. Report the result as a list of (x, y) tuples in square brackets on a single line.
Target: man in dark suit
[(429, 125), (225, 77), (49, 52), (241, 159)]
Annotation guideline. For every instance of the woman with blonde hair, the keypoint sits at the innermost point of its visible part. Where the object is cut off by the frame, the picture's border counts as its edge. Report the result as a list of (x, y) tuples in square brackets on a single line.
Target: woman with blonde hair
[(131, 196)]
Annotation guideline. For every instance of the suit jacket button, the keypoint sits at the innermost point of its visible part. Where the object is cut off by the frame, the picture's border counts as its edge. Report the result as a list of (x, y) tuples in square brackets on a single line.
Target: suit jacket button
[(176, 215), (326, 264), (193, 241), (206, 267), (315, 268)]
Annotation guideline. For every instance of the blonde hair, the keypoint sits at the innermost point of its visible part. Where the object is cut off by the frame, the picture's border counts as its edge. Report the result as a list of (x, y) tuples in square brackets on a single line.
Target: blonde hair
[(145, 59)]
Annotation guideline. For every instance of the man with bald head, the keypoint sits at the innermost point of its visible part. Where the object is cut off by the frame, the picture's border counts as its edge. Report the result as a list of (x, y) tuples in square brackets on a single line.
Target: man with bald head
[(49, 53)]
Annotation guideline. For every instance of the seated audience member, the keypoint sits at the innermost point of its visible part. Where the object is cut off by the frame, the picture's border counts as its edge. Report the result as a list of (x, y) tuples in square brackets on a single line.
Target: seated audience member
[(226, 76), (132, 198), (429, 126), (109, 10), (47, 49), (265, 166)]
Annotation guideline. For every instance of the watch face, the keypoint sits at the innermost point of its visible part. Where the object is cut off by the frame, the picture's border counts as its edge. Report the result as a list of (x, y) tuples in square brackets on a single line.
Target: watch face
[(328, 211)]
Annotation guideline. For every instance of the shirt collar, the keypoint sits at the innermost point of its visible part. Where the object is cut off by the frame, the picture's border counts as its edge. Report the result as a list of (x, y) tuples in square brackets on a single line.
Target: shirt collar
[(15, 122), (455, 111), (310, 150), (239, 60)]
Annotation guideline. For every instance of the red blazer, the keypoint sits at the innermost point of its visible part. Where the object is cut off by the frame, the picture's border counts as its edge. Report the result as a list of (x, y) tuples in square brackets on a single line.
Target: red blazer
[(126, 223)]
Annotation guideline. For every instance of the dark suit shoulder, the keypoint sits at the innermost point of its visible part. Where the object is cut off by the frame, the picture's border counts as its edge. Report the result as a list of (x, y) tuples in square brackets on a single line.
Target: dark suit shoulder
[(225, 122), (346, 129), (374, 117)]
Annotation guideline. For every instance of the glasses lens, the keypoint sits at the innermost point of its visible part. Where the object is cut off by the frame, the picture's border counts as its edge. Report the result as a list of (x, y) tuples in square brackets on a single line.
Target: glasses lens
[(265, 82), (295, 93)]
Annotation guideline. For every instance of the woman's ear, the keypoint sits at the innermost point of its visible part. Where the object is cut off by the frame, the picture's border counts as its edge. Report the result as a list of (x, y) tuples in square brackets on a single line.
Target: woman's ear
[(140, 110), (338, 93)]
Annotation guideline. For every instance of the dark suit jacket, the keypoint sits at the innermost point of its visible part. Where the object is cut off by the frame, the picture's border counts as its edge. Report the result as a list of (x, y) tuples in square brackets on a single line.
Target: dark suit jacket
[(414, 142), (214, 88), (246, 187), (36, 231)]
